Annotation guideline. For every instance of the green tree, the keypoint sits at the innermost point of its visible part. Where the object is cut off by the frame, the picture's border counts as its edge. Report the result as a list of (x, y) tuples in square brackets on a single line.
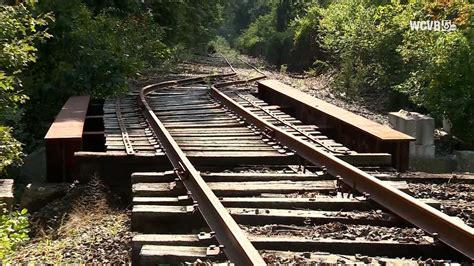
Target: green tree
[(191, 24), (94, 54), (307, 50), (440, 66), (362, 38), (20, 31), (271, 35), (240, 14)]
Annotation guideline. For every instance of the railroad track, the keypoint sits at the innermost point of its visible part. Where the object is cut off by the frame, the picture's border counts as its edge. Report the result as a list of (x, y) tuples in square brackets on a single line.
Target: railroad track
[(293, 196)]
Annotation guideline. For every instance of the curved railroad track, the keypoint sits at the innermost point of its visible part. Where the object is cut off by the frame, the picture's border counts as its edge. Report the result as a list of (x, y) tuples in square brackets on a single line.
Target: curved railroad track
[(291, 197)]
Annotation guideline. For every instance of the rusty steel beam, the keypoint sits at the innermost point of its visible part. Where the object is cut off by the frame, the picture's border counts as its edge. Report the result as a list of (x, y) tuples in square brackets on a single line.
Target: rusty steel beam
[(236, 245), (64, 137), (455, 234), (353, 131), (289, 125)]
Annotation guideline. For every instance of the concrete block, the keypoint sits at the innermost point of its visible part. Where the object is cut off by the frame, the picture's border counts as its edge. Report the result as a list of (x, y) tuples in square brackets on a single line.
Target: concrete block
[(424, 130), (6, 194), (465, 160), (447, 125), (424, 151), (418, 126), (403, 122)]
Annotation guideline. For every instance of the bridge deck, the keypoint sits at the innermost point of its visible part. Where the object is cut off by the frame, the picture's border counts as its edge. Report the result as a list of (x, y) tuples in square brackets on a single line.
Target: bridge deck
[(352, 130)]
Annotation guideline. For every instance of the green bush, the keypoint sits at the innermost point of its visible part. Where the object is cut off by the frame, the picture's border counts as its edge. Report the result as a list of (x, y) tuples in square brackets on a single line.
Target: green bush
[(191, 24), (262, 38), (20, 31), (14, 229), (10, 149), (254, 39), (441, 78), (280, 36), (441, 64), (89, 54), (307, 50), (363, 38), (376, 52), (94, 54)]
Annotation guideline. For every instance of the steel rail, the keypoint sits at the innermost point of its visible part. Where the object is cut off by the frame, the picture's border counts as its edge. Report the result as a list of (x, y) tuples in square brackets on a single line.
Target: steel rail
[(239, 82), (236, 245), (227, 61), (289, 125), (254, 67), (445, 228)]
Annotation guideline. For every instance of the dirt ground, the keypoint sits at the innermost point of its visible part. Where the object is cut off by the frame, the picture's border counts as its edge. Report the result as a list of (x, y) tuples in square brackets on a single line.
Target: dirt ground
[(88, 225)]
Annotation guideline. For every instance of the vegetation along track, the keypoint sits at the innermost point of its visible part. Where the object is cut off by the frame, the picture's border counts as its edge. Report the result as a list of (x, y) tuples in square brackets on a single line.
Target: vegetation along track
[(286, 212)]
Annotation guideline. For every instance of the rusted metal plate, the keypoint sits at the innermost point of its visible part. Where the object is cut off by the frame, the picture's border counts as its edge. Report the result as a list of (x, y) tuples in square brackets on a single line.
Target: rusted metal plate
[(69, 123), (353, 131), (64, 137)]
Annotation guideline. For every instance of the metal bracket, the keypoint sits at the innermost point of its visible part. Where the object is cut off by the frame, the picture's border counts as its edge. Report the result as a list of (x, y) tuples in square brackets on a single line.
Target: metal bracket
[(324, 169), (184, 197), (435, 237), (172, 185), (178, 183), (181, 172), (206, 236), (269, 132), (214, 250), (191, 208)]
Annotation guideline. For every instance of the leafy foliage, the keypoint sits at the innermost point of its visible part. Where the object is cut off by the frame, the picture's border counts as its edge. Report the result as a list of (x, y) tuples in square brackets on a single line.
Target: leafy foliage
[(10, 149), (89, 54), (272, 35), (19, 32), (375, 52), (240, 14), (262, 38), (253, 40), (307, 50), (14, 229), (440, 78), (190, 24), (362, 39)]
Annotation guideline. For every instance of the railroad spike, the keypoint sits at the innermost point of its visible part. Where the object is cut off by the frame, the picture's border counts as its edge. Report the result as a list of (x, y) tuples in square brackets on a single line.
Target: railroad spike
[(324, 170), (366, 195), (191, 208), (213, 250), (206, 236), (184, 197)]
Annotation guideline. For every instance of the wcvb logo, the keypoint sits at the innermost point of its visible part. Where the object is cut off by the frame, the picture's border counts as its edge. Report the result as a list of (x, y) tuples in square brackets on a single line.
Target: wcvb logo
[(432, 25)]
